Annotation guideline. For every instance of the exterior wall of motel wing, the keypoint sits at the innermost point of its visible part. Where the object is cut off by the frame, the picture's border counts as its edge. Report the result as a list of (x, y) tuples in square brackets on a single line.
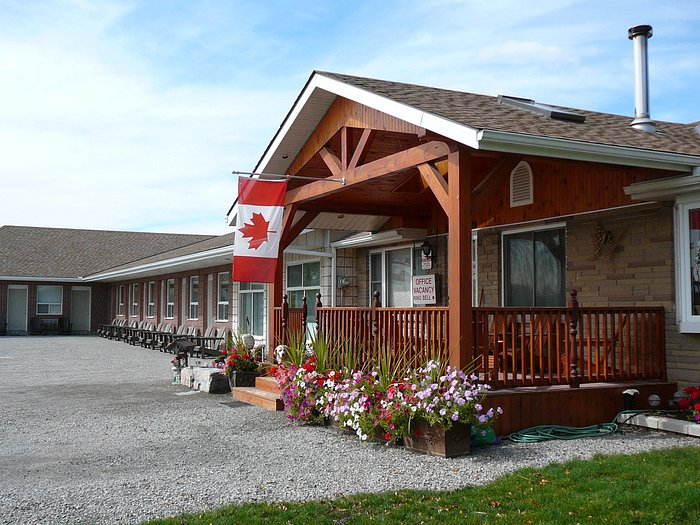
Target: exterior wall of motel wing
[(208, 298), (99, 298)]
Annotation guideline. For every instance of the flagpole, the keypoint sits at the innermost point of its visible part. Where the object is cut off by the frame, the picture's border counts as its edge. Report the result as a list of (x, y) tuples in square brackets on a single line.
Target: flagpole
[(281, 176)]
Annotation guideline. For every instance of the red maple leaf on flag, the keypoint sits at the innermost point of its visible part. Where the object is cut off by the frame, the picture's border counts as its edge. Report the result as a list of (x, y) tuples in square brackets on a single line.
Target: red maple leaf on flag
[(256, 229)]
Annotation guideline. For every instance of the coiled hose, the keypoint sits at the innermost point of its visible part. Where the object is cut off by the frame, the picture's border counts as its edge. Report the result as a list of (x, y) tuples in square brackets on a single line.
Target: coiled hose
[(547, 432)]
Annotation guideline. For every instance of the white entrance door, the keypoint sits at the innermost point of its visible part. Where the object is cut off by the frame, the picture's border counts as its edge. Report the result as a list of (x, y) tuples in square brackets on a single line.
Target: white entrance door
[(80, 309), (17, 309)]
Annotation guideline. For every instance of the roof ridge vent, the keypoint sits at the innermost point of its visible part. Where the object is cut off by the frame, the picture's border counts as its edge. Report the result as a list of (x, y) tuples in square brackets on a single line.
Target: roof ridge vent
[(521, 185), (540, 109)]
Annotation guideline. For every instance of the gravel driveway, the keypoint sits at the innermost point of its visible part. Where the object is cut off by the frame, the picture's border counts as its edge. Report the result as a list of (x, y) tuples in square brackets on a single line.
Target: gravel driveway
[(91, 431)]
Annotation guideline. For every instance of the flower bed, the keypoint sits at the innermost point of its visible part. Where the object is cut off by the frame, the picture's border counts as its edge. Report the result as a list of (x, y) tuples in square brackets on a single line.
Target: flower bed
[(382, 403), (690, 405)]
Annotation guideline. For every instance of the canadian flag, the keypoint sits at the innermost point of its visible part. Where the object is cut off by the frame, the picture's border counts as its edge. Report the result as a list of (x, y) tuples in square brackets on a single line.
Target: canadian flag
[(258, 230)]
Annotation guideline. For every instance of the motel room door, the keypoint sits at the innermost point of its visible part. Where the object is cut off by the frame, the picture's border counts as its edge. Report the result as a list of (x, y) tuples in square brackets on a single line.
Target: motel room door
[(80, 309), (17, 309)]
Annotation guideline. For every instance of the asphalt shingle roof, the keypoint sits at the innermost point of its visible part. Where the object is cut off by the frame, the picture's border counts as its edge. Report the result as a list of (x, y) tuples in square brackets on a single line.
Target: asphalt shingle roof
[(197, 247), (61, 252), (484, 112)]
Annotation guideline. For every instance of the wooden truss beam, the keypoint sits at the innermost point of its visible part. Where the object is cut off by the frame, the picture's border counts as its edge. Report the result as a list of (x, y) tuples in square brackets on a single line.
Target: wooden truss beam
[(400, 161), (362, 148), (437, 184)]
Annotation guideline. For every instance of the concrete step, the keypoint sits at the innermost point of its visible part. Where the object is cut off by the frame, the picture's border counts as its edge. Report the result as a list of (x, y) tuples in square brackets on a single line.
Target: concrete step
[(258, 397), (268, 384)]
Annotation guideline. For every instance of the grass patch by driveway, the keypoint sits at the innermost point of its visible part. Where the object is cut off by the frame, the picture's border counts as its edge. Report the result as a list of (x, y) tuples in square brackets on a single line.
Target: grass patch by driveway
[(661, 487)]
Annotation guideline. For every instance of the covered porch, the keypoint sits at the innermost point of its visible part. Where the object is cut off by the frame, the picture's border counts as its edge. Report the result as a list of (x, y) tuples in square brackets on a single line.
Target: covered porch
[(354, 154), (566, 366)]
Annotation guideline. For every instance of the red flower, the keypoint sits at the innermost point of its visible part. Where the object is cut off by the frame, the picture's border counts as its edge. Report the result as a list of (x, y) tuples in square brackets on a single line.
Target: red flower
[(387, 436), (696, 406), (684, 404)]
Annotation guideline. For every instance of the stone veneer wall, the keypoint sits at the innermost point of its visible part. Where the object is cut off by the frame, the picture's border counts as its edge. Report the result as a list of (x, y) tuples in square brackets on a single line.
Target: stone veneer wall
[(640, 272)]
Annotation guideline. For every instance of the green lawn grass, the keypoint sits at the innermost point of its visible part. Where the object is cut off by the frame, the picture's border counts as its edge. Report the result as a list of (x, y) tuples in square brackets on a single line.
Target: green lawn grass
[(661, 487)]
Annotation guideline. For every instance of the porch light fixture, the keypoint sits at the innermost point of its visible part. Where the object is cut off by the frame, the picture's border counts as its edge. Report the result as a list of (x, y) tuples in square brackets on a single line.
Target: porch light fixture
[(427, 248)]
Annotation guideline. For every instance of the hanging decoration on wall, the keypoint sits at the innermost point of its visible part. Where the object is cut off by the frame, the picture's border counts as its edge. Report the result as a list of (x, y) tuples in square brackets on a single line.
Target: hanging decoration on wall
[(605, 242)]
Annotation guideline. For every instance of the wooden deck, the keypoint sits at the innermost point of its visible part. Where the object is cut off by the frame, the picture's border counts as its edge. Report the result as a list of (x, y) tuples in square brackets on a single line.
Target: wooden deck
[(531, 357), (590, 404)]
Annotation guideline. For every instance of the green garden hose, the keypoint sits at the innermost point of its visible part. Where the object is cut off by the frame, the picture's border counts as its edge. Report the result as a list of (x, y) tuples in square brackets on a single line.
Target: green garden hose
[(547, 432)]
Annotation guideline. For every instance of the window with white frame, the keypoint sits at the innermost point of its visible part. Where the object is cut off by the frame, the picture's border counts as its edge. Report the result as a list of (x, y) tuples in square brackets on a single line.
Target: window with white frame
[(120, 300), (49, 300), (534, 267), (251, 308), (134, 300), (688, 263), (151, 299), (222, 296), (304, 280), (170, 299), (194, 297)]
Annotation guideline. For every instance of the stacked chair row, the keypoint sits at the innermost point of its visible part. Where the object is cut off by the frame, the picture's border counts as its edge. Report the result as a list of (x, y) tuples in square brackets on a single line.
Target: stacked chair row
[(167, 337)]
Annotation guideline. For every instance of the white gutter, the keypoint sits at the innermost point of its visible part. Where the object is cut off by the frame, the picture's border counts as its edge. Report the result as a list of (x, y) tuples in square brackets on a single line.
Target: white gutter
[(134, 271), (575, 150), (42, 279)]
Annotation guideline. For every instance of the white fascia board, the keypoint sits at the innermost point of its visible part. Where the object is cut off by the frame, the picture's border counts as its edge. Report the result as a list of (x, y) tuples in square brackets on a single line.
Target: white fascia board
[(585, 151), (440, 125), (42, 279), (168, 264), (664, 189)]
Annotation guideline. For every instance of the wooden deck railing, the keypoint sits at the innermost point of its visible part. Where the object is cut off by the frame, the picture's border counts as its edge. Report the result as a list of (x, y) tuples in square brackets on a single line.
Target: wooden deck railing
[(416, 334), (535, 346), (516, 347)]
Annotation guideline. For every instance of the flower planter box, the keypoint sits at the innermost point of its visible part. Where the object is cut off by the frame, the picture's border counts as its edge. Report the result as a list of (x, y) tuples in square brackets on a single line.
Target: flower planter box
[(241, 379), (436, 441)]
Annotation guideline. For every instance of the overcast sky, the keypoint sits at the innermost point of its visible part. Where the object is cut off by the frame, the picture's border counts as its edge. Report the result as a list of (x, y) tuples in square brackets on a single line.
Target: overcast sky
[(131, 115)]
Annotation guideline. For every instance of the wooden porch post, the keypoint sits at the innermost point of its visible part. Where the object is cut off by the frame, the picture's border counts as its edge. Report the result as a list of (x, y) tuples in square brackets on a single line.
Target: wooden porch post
[(459, 258), (574, 378), (274, 300)]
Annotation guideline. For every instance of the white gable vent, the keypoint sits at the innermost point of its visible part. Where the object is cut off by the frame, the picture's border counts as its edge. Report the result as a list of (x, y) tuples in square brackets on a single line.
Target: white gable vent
[(521, 185)]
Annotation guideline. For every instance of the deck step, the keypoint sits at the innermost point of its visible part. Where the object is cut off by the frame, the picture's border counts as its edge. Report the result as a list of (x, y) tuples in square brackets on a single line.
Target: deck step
[(267, 383), (258, 397)]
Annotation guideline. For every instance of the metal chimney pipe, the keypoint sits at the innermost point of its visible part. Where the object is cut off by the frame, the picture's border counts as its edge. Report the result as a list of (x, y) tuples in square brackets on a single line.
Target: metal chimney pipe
[(639, 36)]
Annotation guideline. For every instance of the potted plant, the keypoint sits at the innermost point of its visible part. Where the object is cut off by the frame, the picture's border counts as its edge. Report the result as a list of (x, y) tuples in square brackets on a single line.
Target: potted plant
[(238, 364), (448, 403)]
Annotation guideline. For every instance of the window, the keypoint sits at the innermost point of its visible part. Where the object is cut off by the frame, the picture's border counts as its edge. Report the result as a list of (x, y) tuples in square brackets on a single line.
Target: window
[(251, 308), (194, 297), (688, 264), (170, 299), (120, 300), (534, 268), (151, 299), (391, 272), (134, 300), (304, 280), (49, 300), (223, 281)]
